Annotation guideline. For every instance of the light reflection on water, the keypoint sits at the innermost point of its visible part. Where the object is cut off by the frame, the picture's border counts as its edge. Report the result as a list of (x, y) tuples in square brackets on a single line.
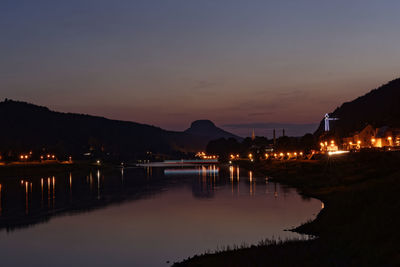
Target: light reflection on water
[(162, 215)]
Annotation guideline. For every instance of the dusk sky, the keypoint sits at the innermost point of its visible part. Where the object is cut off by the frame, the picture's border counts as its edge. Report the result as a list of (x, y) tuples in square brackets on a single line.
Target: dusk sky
[(168, 63)]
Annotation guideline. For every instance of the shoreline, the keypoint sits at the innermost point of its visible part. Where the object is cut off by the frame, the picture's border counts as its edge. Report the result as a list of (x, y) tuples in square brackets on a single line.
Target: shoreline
[(357, 227)]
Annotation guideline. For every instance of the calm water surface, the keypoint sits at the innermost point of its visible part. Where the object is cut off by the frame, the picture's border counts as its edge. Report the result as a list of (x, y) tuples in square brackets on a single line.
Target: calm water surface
[(141, 217)]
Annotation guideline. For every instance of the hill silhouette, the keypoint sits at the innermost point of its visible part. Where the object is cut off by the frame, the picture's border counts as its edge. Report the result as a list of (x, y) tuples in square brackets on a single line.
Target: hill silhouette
[(379, 107), (207, 128), (28, 127)]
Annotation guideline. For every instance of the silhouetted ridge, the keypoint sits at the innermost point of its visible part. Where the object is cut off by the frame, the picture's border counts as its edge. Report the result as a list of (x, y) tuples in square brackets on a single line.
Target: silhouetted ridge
[(23, 106), (208, 129), (379, 107), (27, 127), (199, 124)]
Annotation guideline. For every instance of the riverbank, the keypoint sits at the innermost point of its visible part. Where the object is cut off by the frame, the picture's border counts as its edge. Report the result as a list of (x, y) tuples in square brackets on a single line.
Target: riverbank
[(357, 227)]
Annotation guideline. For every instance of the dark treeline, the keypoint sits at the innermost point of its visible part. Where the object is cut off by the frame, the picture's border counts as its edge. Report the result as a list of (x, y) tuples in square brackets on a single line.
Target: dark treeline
[(29, 128), (261, 145)]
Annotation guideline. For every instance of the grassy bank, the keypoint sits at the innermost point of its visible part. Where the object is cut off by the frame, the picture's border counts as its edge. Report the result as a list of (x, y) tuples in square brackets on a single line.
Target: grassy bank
[(358, 226)]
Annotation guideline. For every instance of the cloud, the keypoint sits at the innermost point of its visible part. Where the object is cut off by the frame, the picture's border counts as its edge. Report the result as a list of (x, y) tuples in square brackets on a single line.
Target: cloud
[(292, 94), (256, 114), (203, 85)]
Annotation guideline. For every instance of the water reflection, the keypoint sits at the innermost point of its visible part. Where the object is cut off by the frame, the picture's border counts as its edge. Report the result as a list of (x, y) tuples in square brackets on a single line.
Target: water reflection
[(26, 198), (54, 192), (98, 184), (1, 205), (81, 193), (225, 206)]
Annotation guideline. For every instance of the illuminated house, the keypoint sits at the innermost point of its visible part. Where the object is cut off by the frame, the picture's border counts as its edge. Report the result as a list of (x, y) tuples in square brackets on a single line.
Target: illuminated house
[(386, 136), (361, 139), (370, 137)]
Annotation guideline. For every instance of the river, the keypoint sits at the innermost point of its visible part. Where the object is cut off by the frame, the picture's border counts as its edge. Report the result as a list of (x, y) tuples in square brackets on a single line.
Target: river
[(141, 216)]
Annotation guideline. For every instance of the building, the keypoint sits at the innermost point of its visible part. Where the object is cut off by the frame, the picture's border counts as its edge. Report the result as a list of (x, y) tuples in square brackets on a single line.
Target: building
[(371, 137), (387, 137), (361, 139)]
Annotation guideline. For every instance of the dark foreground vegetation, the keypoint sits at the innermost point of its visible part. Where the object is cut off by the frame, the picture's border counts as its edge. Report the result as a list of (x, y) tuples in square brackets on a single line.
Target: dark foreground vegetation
[(359, 225)]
